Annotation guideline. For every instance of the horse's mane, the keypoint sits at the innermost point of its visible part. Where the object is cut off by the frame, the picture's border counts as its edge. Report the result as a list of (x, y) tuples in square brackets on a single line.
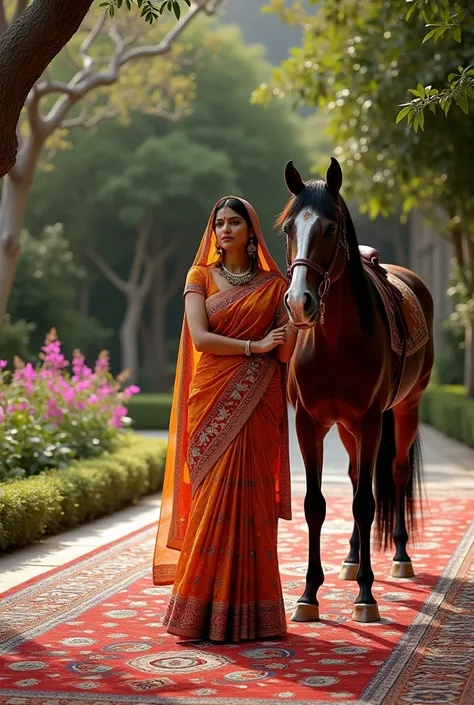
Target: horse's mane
[(316, 196)]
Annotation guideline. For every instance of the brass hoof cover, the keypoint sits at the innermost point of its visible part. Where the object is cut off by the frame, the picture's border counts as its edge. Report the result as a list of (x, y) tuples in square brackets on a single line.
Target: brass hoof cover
[(365, 613), (402, 569), (349, 571), (305, 613)]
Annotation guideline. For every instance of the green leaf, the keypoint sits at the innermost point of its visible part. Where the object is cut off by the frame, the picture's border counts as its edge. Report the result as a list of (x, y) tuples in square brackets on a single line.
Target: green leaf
[(415, 92), (439, 33), (421, 89), (403, 113), (430, 34), (177, 10), (457, 33)]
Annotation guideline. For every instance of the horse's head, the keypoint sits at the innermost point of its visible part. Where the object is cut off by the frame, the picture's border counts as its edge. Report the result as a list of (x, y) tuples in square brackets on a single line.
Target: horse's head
[(316, 248)]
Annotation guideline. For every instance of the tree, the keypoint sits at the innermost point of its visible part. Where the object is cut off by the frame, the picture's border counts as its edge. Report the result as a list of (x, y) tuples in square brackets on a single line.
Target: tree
[(443, 18), (32, 38), (163, 177), (87, 95), (247, 144), (355, 64)]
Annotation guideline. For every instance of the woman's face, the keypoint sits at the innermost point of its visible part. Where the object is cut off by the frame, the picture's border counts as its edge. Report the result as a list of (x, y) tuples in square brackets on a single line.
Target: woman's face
[(232, 231)]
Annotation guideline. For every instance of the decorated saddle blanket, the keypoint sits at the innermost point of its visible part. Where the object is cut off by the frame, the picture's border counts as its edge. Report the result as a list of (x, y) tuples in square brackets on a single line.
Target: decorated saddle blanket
[(399, 301)]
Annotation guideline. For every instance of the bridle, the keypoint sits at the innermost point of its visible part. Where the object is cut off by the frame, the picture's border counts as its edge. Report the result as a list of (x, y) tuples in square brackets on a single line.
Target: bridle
[(341, 241)]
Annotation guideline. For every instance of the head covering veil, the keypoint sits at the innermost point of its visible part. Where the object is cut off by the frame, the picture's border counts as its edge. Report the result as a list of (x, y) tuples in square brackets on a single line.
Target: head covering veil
[(176, 496)]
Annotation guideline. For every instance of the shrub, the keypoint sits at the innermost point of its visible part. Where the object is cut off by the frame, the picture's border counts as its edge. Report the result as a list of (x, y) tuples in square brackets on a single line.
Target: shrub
[(49, 416), (58, 500), (449, 410), (150, 411)]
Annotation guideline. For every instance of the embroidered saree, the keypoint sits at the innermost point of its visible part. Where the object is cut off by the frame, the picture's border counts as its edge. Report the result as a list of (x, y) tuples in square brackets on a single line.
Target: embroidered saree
[(227, 474)]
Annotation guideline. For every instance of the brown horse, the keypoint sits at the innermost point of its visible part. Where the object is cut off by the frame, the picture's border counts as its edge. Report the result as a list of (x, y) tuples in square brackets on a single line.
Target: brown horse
[(345, 372)]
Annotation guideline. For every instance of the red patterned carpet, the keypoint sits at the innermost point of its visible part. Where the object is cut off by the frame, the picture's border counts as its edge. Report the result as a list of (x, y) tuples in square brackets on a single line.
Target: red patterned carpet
[(91, 631)]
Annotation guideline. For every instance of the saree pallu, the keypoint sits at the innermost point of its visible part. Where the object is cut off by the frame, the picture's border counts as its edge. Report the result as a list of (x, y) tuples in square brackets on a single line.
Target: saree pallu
[(227, 585)]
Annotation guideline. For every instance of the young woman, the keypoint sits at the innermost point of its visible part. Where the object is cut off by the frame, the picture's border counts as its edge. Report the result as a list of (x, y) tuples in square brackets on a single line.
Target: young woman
[(227, 476)]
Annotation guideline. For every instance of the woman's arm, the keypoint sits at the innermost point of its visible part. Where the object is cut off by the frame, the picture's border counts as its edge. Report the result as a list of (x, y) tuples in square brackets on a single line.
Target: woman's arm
[(286, 350), (204, 341)]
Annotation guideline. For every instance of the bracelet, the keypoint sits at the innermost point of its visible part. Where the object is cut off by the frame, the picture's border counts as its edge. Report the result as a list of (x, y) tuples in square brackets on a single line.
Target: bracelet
[(247, 348)]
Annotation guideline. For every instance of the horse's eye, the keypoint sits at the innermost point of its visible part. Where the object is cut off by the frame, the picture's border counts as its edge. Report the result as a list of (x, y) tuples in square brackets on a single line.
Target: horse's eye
[(330, 231)]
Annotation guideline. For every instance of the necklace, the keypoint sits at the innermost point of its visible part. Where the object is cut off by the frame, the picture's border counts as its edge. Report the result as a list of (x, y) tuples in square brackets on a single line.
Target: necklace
[(236, 279)]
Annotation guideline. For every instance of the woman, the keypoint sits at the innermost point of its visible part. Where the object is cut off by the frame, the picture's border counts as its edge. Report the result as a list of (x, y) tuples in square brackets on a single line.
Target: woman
[(227, 474)]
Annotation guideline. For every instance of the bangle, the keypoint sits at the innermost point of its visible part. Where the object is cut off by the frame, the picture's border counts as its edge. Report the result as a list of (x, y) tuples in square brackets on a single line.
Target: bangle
[(247, 348)]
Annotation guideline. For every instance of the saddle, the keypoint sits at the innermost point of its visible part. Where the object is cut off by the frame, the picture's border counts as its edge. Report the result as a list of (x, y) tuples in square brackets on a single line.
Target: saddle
[(392, 299)]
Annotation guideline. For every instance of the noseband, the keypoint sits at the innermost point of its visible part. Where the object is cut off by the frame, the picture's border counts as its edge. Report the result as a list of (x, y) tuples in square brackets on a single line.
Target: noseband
[(325, 273)]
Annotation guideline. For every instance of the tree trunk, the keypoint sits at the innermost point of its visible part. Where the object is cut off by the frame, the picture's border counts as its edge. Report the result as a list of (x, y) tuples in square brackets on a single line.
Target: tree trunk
[(27, 47), (12, 212), (469, 359), (129, 335)]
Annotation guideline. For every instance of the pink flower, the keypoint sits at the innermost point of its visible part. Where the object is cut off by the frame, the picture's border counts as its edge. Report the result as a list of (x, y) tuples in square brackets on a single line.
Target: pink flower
[(69, 394), (29, 373), (2, 414), (93, 399), (3, 364), (128, 392)]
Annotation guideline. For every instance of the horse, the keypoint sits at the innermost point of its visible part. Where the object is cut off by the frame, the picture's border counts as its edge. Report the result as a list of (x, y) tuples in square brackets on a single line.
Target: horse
[(344, 371)]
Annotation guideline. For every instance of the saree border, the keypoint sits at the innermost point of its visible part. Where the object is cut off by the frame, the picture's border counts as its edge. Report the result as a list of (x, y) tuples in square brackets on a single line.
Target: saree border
[(221, 299), (228, 416)]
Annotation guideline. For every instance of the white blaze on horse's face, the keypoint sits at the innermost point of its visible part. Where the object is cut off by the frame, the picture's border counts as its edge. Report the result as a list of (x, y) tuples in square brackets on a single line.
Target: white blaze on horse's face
[(299, 300)]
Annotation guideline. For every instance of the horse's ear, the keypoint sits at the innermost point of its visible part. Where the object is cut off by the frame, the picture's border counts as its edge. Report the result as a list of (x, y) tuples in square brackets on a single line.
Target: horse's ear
[(334, 178), (293, 180)]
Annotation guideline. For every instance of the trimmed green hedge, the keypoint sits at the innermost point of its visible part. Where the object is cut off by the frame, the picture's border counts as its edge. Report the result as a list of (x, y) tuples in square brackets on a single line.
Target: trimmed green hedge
[(150, 411), (58, 500), (448, 409)]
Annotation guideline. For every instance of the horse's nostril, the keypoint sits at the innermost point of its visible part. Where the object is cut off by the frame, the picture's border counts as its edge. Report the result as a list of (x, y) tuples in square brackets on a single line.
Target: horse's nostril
[(308, 302)]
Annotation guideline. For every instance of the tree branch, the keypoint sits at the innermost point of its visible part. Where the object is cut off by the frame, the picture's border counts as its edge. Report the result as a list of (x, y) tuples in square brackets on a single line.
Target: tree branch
[(87, 60), (31, 42), (140, 251), (166, 43), (87, 124), (152, 264), (108, 272)]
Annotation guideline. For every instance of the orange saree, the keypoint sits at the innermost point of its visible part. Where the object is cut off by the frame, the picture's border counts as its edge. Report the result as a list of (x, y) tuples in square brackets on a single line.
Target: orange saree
[(227, 475)]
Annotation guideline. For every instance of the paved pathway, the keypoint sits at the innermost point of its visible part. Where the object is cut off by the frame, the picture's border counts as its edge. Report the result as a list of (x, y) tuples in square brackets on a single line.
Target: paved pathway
[(449, 469)]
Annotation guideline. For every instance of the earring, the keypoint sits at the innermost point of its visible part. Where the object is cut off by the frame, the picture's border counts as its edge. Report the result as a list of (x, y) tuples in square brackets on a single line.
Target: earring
[(218, 251), (252, 248)]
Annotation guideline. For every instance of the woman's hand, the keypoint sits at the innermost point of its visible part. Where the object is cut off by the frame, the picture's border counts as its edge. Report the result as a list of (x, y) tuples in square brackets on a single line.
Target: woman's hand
[(275, 338)]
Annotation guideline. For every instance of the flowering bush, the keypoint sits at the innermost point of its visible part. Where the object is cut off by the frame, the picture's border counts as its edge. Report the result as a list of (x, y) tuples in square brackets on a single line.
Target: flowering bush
[(51, 415)]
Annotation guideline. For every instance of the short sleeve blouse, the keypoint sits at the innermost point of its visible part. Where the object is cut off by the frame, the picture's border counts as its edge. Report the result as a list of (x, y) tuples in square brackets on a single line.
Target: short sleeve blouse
[(200, 281)]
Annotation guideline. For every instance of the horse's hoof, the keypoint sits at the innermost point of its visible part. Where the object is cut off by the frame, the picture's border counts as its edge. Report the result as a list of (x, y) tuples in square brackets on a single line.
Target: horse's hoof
[(305, 612), (348, 571), (365, 613), (402, 569)]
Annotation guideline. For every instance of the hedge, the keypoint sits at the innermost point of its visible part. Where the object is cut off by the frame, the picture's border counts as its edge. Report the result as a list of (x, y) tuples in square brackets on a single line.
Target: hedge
[(448, 409), (150, 411), (58, 500)]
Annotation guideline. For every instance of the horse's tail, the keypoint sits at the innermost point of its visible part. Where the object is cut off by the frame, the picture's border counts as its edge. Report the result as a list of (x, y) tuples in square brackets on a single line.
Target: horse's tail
[(385, 489)]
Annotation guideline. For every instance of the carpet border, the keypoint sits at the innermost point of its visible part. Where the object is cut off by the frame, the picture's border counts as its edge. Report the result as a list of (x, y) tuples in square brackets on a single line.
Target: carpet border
[(382, 682)]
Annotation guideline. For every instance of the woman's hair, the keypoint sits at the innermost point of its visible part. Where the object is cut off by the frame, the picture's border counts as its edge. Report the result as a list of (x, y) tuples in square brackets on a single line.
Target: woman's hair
[(236, 206)]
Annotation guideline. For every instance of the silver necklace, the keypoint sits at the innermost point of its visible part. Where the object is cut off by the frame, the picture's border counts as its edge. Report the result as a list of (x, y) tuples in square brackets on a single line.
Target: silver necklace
[(236, 279)]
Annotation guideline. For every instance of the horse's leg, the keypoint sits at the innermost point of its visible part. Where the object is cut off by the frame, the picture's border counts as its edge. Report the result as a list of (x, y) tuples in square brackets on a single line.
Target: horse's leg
[(368, 438), (406, 428), (310, 438), (351, 563)]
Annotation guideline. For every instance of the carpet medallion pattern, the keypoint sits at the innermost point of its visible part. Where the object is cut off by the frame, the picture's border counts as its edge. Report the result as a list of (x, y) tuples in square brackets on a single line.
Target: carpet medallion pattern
[(91, 632)]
